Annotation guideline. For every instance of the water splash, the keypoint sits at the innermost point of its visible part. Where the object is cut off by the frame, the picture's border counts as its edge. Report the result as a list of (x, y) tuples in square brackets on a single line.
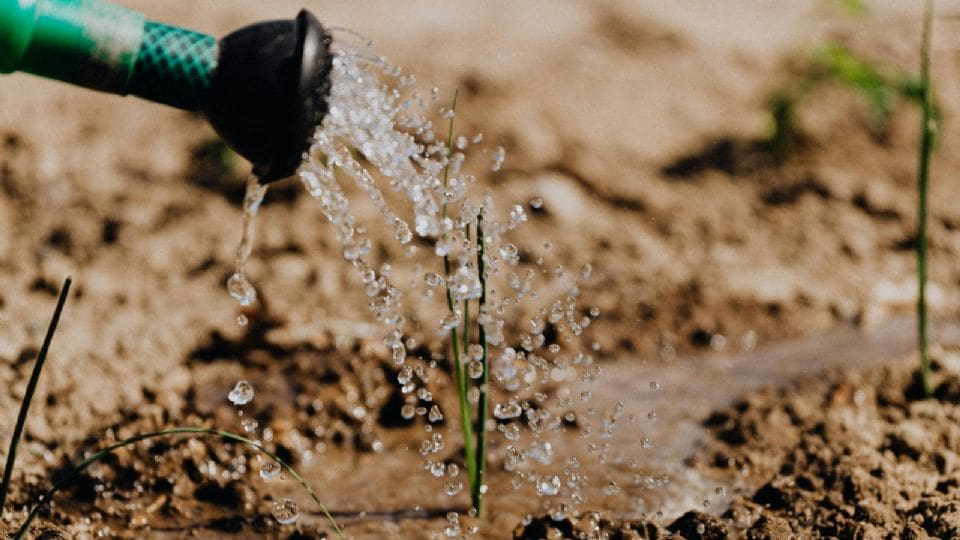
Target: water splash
[(378, 135)]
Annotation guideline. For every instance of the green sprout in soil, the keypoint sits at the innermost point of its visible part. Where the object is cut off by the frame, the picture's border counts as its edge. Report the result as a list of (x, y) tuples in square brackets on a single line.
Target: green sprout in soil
[(99, 455), (853, 7), (474, 444), (881, 87), (928, 128)]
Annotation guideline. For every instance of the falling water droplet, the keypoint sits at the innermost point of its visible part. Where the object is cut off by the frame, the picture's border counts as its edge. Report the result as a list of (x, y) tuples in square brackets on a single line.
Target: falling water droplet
[(506, 411), (402, 231), (241, 394), (285, 511), (548, 485), (499, 155), (269, 469), (433, 279), (241, 290), (451, 320), (475, 369)]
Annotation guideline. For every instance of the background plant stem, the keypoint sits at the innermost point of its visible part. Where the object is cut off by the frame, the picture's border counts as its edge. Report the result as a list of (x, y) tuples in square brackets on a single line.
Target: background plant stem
[(923, 181)]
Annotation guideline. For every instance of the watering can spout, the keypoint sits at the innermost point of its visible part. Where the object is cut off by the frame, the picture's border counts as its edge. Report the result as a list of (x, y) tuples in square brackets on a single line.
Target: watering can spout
[(263, 88)]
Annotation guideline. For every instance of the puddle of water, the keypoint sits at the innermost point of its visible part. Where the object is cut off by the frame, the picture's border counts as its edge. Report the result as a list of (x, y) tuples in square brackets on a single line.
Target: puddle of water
[(690, 388)]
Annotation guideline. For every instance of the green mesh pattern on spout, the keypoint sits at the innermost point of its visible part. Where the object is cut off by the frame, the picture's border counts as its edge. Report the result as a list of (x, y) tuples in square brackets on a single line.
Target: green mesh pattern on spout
[(174, 66)]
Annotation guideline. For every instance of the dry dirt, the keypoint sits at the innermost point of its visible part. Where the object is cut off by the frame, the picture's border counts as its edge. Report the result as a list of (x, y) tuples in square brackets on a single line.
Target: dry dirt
[(637, 122)]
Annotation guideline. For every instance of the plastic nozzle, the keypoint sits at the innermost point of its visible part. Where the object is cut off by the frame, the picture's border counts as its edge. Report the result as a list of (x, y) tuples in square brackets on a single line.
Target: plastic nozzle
[(263, 87)]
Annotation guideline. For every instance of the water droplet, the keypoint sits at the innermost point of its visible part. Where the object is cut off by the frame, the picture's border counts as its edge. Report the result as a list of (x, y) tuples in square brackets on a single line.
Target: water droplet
[(499, 155), (720, 491), (542, 452), (548, 485), (654, 385), (536, 202), (269, 469), (594, 312), (505, 411), (451, 320), (475, 369), (718, 342), (465, 284), (241, 394), (433, 279), (402, 231), (517, 215), (249, 425), (509, 254), (285, 511), (242, 319), (435, 415), (241, 290)]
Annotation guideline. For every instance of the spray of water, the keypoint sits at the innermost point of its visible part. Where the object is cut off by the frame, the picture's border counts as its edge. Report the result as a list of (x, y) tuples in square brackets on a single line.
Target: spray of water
[(378, 136)]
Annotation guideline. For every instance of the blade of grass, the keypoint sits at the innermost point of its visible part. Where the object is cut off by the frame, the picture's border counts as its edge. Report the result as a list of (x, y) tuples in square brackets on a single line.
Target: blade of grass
[(226, 435), (923, 186), (31, 388), (466, 425), (478, 490)]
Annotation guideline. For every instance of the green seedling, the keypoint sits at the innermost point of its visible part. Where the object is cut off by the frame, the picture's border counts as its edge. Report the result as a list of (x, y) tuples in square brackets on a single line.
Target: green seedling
[(882, 88), (853, 7), (474, 434), (99, 455)]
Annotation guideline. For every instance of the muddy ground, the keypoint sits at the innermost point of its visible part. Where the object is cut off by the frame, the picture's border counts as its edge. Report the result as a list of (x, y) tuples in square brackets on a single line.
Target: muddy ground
[(642, 125)]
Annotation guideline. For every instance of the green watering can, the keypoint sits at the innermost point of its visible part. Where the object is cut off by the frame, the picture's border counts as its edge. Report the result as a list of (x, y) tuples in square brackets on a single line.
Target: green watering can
[(263, 88)]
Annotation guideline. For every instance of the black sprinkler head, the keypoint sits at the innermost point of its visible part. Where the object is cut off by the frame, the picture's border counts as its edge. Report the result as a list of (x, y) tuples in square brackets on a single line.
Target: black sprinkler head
[(269, 92)]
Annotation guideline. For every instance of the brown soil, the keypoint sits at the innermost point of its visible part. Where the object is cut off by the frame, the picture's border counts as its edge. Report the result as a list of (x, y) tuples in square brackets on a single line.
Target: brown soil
[(855, 455), (637, 124)]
